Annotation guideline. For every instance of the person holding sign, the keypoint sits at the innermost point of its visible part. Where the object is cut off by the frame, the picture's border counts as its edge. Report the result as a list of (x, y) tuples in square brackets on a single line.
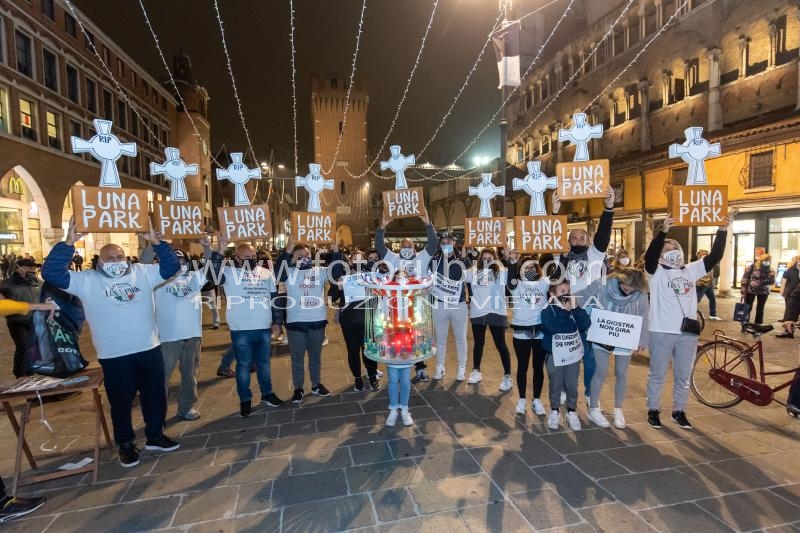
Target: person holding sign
[(674, 329), (306, 313), (487, 309), (564, 326), (624, 291), (119, 301)]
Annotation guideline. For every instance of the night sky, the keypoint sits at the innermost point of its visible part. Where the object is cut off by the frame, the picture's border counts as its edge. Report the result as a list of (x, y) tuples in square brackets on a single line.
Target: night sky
[(257, 33)]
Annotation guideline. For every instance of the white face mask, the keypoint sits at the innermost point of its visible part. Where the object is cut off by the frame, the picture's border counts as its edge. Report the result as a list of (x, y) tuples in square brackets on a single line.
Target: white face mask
[(406, 253), (115, 269), (673, 258), (624, 261), (765, 263)]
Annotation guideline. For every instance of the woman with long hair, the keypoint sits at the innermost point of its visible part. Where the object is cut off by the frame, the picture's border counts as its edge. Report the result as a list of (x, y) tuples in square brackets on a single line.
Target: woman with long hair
[(756, 283)]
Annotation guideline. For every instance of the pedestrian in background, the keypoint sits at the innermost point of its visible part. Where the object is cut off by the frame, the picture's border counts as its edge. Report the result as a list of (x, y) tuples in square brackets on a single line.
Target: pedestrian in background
[(756, 283)]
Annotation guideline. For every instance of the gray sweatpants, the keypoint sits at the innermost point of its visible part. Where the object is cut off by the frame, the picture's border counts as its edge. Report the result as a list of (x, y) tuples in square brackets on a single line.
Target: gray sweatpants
[(186, 355), (458, 316), (563, 378), (681, 348), (301, 342), (621, 363)]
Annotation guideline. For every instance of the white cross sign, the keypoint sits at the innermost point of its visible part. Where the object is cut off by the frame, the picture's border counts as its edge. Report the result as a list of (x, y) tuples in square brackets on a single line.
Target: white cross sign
[(694, 152), (314, 183), (238, 174), (176, 171), (486, 190), (106, 148), (580, 134), (398, 163), (535, 184)]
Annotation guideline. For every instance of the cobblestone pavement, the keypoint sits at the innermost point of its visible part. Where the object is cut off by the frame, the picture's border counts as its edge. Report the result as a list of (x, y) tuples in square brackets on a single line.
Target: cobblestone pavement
[(468, 464)]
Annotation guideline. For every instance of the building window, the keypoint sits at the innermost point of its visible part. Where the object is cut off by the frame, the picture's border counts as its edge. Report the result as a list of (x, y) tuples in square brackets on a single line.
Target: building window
[(2, 41), (73, 93), (145, 129), (760, 174), (334, 83), (54, 130), (134, 123), (75, 129), (122, 115), (88, 40), (24, 54), (341, 127), (107, 57), (341, 188), (165, 137), (120, 67), (108, 111), (69, 25), (48, 9), (50, 64), (91, 95), (27, 118), (163, 102), (3, 110), (678, 176)]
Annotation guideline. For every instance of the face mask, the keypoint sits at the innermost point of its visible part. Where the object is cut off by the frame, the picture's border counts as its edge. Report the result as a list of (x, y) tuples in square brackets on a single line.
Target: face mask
[(624, 261), (765, 263), (578, 249), (115, 269), (184, 268), (304, 262), (530, 275), (447, 249), (406, 253), (673, 258), (250, 263)]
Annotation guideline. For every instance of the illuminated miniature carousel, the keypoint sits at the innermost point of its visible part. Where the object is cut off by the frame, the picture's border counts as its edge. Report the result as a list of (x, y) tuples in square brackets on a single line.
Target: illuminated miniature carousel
[(399, 321)]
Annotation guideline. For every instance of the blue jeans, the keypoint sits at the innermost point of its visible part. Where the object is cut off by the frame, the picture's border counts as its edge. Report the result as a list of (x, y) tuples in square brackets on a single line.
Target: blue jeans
[(227, 358), (712, 299), (589, 365), (399, 386), (252, 346)]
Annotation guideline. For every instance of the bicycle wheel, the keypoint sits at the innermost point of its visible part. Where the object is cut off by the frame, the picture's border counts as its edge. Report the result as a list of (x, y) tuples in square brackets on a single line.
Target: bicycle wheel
[(702, 319), (725, 356)]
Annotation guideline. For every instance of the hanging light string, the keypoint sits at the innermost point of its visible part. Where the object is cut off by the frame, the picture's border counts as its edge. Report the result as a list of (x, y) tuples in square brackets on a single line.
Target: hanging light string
[(294, 82), (119, 88), (233, 83), (171, 78), (349, 88), (515, 89)]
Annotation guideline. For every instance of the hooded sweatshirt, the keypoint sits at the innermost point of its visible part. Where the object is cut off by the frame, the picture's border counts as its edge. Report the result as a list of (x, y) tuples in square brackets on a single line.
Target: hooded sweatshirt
[(609, 297), (414, 267)]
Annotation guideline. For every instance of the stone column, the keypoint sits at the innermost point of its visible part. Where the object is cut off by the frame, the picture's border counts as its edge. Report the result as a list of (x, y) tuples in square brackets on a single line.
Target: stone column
[(644, 115), (559, 149), (687, 79), (726, 268), (611, 110), (743, 56), (627, 94), (642, 19), (714, 101), (597, 118), (626, 29), (659, 14), (666, 87), (582, 59)]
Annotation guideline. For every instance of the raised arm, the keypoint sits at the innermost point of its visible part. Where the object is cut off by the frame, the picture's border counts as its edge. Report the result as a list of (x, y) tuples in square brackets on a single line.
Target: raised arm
[(55, 269), (718, 248), (653, 253), (147, 255), (433, 243), (281, 266), (168, 264)]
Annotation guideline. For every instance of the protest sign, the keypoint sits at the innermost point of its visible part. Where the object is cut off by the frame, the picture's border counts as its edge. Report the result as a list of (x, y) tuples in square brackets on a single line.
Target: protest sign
[(446, 290), (615, 329), (567, 348), (699, 205), (313, 228), (245, 222), (583, 179), (485, 231), (541, 234), (109, 210), (353, 287), (404, 203), (179, 220)]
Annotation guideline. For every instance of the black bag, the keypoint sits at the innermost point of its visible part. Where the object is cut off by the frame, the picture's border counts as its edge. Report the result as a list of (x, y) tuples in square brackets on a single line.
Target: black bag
[(691, 326), (741, 312), (53, 349)]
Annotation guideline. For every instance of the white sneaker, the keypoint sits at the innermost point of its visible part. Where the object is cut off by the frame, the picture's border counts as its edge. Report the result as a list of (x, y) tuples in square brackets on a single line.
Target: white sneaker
[(554, 420), (520, 410), (596, 416), (714, 317), (391, 420), (325, 341), (407, 420), (538, 407), (475, 377), (573, 421), (506, 385), (439, 374), (379, 374), (619, 419), (462, 373), (563, 398)]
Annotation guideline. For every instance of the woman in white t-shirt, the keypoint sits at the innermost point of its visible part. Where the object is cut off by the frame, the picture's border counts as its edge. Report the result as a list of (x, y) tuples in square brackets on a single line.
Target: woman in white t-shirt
[(487, 309), (673, 305)]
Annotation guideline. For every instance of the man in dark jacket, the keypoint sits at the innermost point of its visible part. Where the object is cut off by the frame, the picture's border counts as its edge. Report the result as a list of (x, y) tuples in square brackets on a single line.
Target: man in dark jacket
[(24, 286)]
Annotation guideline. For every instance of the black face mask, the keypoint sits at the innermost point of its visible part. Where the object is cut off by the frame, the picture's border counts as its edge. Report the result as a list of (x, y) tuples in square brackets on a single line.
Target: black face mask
[(28, 278), (529, 275), (576, 249), (251, 263)]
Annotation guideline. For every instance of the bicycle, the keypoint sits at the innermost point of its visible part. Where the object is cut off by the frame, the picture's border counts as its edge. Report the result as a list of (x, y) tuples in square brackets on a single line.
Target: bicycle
[(724, 373)]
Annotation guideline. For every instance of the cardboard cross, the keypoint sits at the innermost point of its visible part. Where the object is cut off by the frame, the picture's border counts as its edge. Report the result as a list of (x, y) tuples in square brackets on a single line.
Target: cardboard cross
[(398, 163), (176, 171), (106, 148), (580, 134), (314, 183), (535, 184), (238, 174), (694, 152), (485, 191)]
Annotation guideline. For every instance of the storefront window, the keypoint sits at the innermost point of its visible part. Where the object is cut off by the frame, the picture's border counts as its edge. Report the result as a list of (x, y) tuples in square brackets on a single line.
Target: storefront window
[(10, 230), (784, 240), (744, 246)]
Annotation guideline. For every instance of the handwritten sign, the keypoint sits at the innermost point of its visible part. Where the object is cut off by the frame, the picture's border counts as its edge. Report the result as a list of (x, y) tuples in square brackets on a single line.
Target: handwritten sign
[(404, 203), (319, 228), (446, 290), (567, 348), (583, 179), (485, 231), (179, 220), (109, 210), (541, 234), (245, 222), (699, 205), (615, 329)]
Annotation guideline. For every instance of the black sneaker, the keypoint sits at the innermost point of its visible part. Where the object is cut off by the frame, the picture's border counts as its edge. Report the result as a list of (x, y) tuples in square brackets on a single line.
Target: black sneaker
[(297, 397), (679, 417), (374, 383), (422, 376), (654, 418), (359, 386), (128, 455), (245, 408), (320, 390), (272, 400), (162, 444), (15, 507)]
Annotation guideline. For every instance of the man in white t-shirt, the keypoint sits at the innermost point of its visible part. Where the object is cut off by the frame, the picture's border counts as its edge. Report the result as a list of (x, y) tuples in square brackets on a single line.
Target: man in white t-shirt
[(118, 298)]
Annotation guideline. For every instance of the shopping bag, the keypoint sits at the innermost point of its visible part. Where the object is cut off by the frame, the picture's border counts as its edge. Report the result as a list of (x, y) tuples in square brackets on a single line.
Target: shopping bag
[(741, 312), (53, 349)]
